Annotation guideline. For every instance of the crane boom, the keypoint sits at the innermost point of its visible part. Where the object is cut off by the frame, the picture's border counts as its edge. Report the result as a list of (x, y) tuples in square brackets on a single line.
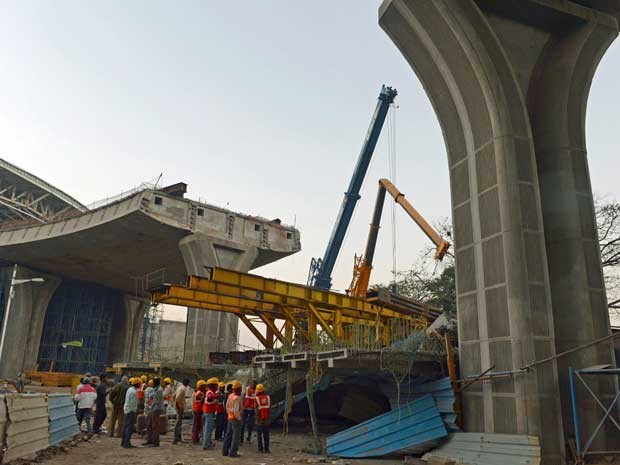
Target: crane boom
[(320, 274), (363, 265)]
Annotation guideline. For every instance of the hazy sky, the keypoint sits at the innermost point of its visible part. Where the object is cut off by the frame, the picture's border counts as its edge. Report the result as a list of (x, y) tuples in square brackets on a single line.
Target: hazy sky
[(260, 107)]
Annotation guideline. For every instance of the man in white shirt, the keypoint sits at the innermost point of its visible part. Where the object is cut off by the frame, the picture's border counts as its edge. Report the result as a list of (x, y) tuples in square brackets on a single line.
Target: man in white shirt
[(130, 409), (85, 396)]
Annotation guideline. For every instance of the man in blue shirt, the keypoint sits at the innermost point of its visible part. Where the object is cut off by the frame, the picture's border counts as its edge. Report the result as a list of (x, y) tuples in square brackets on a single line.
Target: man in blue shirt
[(131, 411)]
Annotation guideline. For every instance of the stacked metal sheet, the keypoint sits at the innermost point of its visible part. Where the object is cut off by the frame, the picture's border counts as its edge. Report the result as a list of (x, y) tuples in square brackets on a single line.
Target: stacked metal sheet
[(62, 422), (489, 449), (3, 421), (27, 430), (442, 392), (412, 428)]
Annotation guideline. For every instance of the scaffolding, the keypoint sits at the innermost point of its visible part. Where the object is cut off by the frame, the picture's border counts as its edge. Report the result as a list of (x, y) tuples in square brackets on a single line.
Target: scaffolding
[(81, 313), (149, 339)]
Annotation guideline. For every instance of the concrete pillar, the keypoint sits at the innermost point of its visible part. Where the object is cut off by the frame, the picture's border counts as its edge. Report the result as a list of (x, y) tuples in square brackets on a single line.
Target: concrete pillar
[(24, 319), (126, 328), (211, 331), (509, 84)]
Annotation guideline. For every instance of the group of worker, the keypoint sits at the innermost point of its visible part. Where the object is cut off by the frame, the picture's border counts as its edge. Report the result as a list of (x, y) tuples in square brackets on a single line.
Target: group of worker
[(220, 412)]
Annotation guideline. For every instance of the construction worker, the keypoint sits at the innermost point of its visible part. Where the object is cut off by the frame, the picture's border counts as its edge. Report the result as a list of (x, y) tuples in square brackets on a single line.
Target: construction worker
[(234, 416), (141, 388), (100, 409), (156, 409), (248, 410), (148, 409), (179, 406), (117, 398), (262, 409), (85, 397), (167, 393), (209, 410), (198, 400), (130, 409), (220, 413)]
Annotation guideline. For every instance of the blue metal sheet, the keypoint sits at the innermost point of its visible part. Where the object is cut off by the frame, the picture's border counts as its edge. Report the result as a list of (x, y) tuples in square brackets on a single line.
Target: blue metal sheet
[(62, 422), (415, 426)]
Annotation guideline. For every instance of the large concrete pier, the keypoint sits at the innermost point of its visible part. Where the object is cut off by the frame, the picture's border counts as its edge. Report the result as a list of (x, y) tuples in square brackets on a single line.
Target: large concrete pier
[(509, 81)]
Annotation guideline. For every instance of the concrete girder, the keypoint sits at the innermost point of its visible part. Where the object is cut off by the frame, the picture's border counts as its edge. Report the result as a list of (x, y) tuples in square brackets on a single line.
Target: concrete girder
[(509, 83)]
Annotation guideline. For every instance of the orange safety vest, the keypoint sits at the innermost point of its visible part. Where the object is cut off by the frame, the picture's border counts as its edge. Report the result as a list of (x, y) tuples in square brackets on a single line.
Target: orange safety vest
[(197, 400), (250, 397), (229, 405), (210, 405), (141, 392), (263, 404)]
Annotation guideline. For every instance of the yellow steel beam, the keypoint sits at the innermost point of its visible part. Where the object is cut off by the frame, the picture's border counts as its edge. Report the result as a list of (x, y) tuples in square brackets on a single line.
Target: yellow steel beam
[(256, 332), (242, 285), (290, 316), (272, 327), (322, 322)]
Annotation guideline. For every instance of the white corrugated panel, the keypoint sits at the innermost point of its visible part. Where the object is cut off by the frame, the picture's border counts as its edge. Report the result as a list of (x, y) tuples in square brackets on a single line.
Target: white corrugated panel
[(27, 430), (2, 421), (489, 449)]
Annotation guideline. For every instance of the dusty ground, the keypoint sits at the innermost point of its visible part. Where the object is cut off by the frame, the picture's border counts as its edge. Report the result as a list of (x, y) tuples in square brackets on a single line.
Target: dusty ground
[(103, 450)]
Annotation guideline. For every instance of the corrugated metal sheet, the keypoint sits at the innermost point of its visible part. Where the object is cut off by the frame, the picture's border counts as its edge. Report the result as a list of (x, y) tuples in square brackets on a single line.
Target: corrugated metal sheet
[(27, 430), (442, 392), (3, 421), (489, 449), (415, 427), (62, 421)]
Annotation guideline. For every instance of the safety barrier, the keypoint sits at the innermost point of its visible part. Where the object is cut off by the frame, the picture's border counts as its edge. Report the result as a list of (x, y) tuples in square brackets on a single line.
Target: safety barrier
[(62, 422), (30, 423)]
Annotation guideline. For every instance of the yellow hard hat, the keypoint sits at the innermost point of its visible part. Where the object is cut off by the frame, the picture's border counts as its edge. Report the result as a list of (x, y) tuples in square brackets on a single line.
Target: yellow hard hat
[(131, 380), (213, 381), (236, 384), (143, 378), (151, 383), (136, 380), (260, 388), (201, 382), (167, 380), (221, 384)]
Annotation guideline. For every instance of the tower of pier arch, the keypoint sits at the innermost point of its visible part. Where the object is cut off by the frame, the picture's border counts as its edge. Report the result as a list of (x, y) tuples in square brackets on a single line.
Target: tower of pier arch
[(509, 83)]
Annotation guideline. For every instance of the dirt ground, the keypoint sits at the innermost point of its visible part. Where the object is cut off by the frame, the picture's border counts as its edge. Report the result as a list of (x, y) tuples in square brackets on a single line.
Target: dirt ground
[(103, 450)]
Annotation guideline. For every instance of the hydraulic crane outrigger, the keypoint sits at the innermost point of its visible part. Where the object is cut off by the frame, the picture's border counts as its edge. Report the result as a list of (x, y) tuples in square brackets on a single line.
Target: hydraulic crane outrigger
[(363, 264)]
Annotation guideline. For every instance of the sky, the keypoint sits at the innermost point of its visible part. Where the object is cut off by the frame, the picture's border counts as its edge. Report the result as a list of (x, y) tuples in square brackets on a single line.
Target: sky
[(260, 107)]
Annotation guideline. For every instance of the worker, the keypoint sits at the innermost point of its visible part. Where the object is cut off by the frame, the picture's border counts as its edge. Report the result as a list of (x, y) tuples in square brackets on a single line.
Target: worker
[(85, 397), (179, 406), (141, 389), (117, 398), (198, 400), (220, 413), (100, 409), (209, 409), (248, 410), (167, 393), (130, 409), (148, 409), (234, 416), (262, 409), (156, 409)]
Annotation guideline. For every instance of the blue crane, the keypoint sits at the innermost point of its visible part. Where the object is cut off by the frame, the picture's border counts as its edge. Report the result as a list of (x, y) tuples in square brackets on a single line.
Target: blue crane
[(320, 274)]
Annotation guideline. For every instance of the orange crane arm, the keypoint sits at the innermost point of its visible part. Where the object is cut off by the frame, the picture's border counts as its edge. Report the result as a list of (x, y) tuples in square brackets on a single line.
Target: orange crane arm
[(399, 197), (363, 264)]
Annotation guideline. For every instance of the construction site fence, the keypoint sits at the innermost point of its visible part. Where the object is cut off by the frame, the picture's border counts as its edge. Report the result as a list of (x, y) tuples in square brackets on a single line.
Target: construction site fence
[(30, 423)]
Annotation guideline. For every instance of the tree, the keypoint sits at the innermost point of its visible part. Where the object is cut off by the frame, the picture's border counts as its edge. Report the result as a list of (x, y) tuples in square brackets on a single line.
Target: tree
[(608, 224)]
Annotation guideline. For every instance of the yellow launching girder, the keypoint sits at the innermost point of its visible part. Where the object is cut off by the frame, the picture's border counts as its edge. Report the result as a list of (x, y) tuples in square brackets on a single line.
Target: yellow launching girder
[(270, 299)]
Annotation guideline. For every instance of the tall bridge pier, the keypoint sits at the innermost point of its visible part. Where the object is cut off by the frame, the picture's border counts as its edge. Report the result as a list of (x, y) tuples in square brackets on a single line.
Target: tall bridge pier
[(509, 82)]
